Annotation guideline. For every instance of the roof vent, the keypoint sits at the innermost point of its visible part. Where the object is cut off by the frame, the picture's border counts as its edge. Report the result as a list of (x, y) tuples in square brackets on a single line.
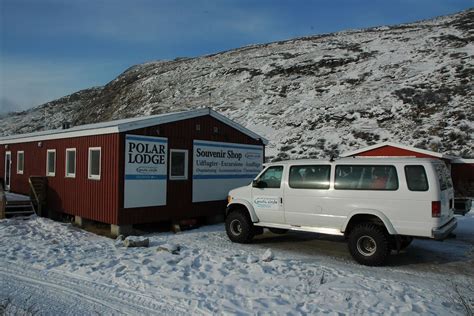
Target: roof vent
[(66, 125)]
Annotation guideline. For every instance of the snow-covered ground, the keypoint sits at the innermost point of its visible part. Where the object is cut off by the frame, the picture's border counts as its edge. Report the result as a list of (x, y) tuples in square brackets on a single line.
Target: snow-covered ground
[(48, 267)]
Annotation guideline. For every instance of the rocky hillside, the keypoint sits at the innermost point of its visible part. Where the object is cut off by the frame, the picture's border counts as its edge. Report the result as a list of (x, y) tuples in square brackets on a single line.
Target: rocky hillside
[(311, 97)]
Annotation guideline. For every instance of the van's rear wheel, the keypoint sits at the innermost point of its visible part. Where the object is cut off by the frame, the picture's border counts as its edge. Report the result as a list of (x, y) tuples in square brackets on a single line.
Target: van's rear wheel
[(369, 244), (239, 227)]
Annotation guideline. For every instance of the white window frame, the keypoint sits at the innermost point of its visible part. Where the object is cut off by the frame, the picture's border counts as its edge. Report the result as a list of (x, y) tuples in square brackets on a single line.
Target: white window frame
[(89, 175), (70, 175), (50, 174), (185, 151), (18, 171)]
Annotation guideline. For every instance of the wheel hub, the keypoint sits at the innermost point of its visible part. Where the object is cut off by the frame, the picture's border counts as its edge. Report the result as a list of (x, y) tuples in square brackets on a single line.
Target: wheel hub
[(366, 246), (236, 227)]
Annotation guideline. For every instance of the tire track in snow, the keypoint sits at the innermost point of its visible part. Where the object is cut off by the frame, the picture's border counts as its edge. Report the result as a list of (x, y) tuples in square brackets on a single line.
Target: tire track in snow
[(105, 298)]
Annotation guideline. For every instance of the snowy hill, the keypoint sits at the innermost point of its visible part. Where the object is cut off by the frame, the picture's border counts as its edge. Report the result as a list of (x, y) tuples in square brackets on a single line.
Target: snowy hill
[(311, 97)]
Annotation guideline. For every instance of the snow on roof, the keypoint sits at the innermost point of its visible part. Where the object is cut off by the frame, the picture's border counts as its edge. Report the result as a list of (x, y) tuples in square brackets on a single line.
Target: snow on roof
[(409, 148), (125, 125), (346, 160)]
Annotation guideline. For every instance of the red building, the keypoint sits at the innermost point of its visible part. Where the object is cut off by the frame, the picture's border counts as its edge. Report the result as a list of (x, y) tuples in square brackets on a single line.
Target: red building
[(462, 170), (140, 170)]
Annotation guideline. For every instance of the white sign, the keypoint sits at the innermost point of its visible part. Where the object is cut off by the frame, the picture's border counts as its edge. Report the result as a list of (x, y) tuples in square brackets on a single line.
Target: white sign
[(145, 171), (220, 167)]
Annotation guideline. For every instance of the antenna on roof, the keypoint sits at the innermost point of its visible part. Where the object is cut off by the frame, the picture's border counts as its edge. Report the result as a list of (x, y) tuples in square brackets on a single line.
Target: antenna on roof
[(332, 158)]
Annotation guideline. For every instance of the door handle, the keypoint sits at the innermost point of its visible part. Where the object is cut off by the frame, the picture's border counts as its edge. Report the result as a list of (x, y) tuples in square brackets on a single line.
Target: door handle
[(281, 200)]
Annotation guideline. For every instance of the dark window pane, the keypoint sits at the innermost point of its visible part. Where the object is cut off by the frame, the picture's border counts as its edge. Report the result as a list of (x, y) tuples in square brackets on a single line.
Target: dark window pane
[(71, 162), (416, 178), (310, 177), (271, 178), (178, 164), (21, 161), (444, 177), (95, 163), (51, 162), (366, 177)]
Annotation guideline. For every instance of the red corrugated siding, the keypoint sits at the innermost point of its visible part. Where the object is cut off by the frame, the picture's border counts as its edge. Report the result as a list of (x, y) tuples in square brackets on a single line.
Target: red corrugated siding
[(91, 199), (179, 193), (390, 151)]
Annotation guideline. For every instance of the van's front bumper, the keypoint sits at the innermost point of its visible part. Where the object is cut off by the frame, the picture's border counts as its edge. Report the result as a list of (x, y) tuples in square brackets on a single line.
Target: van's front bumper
[(443, 231)]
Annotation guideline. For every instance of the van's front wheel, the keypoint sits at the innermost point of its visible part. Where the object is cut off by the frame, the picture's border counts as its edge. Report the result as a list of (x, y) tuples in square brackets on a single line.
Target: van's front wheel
[(369, 244), (239, 227)]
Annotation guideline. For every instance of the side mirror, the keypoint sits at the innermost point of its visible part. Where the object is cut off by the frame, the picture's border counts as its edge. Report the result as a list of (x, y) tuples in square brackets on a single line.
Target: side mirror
[(259, 184)]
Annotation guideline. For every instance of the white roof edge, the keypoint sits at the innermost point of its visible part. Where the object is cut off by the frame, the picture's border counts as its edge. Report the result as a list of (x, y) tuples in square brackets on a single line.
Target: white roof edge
[(463, 160), (124, 126), (60, 134), (414, 149)]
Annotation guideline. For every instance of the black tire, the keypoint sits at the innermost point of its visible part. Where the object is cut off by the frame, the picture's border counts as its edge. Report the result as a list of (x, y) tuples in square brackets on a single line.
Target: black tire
[(369, 244), (279, 231), (239, 227), (257, 230)]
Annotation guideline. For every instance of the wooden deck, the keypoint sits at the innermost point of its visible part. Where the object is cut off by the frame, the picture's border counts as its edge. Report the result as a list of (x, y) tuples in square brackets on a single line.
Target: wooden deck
[(13, 204)]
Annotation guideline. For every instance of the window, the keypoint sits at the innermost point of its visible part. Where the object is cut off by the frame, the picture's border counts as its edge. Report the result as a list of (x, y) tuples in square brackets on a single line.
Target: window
[(416, 178), (178, 164), (310, 177), (51, 162), (20, 162), (271, 178), (444, 177), (71, 162), (94, 163), (366, 177)]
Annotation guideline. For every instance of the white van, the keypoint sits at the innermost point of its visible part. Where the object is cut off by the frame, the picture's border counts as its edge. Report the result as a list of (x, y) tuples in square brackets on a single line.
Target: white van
[(378, 204)]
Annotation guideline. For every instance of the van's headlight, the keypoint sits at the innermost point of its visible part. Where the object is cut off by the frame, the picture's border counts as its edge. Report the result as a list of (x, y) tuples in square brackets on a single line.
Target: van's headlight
[(229, 199)]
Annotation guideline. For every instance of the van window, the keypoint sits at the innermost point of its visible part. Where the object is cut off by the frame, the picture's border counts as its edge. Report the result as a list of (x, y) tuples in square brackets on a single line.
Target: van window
[(416, 178), (444, 177), (366, 177), (310, 177), (271, 178)]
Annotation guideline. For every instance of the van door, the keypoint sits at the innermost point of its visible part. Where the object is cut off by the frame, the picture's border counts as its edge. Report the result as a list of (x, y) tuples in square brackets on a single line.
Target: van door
[(267, 195), (8, 169), (306, 194)]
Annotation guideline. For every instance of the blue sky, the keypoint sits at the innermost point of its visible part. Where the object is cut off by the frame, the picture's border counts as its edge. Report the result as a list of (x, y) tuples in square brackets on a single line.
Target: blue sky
[(51, 48)]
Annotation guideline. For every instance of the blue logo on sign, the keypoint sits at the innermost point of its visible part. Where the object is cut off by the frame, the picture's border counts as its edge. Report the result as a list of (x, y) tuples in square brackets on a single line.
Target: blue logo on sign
[(252, 156)]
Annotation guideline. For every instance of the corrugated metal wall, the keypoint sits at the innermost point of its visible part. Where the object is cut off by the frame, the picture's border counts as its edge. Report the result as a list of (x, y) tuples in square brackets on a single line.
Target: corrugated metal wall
[(179, 192), (91, 199)]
